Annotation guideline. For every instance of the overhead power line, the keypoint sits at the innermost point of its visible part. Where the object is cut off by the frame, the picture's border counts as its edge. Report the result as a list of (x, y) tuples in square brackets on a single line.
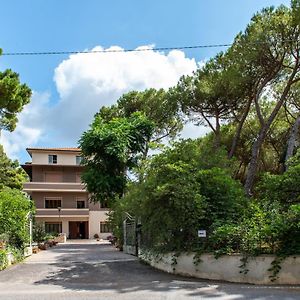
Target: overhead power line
[(142, 49), (115, 50)]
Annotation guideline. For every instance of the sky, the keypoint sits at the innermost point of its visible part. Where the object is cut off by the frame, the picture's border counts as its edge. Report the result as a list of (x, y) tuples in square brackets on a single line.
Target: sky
[(69, 89)]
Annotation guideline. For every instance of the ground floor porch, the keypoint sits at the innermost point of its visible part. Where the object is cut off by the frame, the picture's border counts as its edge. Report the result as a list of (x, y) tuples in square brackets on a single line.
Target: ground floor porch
[(78, 227)]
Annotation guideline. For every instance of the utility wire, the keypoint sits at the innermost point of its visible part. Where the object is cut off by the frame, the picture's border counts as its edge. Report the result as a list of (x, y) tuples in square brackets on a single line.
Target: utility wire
[(115, 50), (129, 50)]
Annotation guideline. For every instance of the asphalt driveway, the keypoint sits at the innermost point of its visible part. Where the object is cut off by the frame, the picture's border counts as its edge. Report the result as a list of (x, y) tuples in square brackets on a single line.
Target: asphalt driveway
[(89, 270)]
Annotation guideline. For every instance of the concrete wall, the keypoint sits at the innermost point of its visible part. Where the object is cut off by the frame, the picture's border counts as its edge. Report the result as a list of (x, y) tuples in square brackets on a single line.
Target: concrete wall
[(227, 268), (62, 158), (94, 223)]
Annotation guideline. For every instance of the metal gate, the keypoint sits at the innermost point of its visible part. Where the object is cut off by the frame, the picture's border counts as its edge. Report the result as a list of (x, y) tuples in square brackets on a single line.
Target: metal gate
[(131, 235)]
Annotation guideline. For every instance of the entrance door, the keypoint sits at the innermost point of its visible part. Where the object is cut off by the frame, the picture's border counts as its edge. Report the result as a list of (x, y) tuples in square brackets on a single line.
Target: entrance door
[(78, 230)]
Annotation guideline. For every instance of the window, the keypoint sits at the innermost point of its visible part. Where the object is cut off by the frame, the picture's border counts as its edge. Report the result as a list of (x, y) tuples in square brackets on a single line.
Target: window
[(53, 227), (52, 159), (80, 204), (105, 227), (52, 203), (78, 160)]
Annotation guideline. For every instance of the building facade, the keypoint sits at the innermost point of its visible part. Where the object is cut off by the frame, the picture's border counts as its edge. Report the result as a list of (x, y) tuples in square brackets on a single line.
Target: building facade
[(61, 199)]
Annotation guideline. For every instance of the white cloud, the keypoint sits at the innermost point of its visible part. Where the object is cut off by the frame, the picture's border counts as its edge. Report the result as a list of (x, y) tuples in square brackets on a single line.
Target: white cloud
[(85, 82)]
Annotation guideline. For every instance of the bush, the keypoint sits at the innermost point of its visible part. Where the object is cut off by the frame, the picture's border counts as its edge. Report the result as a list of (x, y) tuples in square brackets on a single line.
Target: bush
[(263, 230), (14, 209), (179, 195), (3, 259)]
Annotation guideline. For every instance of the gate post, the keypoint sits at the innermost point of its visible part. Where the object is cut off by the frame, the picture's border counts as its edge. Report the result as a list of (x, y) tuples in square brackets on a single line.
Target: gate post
[(124, 236)]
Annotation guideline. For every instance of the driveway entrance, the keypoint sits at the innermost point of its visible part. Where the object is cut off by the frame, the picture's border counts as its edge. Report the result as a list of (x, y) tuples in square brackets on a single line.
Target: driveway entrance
[(85, 269)]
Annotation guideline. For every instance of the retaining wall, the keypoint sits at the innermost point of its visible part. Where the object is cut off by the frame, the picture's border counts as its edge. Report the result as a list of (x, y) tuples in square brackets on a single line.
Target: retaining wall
[(227, 268)]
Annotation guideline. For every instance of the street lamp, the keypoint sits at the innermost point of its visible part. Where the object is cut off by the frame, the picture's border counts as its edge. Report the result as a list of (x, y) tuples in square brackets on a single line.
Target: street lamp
[(59, 210)]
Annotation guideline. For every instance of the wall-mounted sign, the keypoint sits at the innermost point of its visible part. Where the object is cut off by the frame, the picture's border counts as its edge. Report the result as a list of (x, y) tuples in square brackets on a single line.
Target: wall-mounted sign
[(202, 233)]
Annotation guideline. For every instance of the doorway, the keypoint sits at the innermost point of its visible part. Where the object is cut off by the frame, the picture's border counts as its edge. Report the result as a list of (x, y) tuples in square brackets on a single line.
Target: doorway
[(78, 230)]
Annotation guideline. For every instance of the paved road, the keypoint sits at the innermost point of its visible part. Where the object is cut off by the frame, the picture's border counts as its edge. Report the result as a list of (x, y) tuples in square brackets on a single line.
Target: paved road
[(92, 271)]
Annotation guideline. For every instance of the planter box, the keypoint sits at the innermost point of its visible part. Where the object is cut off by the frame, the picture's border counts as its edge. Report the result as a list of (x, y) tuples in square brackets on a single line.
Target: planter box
[(62, 238)]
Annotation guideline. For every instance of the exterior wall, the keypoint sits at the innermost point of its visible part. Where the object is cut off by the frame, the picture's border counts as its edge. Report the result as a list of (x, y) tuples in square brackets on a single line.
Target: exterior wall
[(63, 181), (68, 199), (227, 268), (64, 212), (69, 174), (62, 158), (64, 221), (94, 206), (95, 218)]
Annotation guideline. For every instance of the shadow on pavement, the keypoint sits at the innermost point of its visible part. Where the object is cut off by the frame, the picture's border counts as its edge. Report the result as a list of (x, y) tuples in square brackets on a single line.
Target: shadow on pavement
[(86, 268)]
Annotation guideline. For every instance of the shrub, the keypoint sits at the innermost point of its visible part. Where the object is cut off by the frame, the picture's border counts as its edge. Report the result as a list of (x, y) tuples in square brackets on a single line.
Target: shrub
[(38, 233), (3, 259), (262, 230), (14, 209), (181, 194)]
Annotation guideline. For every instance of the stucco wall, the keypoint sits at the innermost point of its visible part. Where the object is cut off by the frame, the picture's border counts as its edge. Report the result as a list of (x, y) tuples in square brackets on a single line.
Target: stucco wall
[(62, 158), (94, 223), (69, 200), (68, 174), (227, 268)]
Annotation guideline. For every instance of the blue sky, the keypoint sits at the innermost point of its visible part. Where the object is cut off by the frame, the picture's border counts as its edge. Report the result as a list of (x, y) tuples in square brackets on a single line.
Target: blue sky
[(61, 83)]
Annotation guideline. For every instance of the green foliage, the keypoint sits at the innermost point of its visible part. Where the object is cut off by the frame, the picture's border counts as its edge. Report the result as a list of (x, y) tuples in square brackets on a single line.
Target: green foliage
[(284, 188), (156, 105), (18, 255), (39, 234), (181, 194), (263, 229), (211, 94), (3, 259), (110, 149), (14, 209), (11, 174), (13, 96)]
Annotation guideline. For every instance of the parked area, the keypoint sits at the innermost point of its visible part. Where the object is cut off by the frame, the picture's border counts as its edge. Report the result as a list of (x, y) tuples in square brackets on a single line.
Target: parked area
[(88, 269)]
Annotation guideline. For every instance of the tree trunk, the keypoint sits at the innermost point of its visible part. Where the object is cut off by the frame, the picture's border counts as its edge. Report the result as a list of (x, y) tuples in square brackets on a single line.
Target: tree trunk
[(292, 141), (239, 130), (262, 135), (217, 133)]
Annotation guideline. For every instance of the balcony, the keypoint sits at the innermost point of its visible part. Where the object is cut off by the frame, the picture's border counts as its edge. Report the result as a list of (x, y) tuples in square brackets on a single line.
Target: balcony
[(64, 212), (54, 187)]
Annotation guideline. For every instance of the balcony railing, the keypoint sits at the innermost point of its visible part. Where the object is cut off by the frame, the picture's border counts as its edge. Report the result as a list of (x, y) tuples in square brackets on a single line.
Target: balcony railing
[(54, 187), (64, 212)]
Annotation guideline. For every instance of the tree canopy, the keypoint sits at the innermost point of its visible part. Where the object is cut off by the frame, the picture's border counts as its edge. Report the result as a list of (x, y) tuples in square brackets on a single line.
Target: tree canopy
[(13, 97), (248, 96), (11, 174), (110, 149)]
